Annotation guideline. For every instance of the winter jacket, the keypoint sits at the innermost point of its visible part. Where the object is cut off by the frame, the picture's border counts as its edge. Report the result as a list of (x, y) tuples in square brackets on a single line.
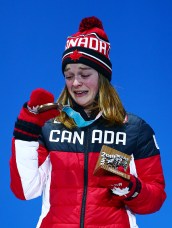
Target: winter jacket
[(60, 168)]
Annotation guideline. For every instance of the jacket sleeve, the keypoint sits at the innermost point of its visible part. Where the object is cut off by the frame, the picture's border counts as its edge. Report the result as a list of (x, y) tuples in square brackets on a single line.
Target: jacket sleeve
[(150, 173), (29, 166)]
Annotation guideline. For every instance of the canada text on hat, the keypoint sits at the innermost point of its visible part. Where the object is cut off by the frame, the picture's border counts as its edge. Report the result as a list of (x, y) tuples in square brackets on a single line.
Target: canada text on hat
[(89, 46)]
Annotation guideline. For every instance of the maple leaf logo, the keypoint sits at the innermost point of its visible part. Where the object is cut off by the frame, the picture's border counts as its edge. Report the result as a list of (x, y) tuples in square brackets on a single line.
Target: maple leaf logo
[(75, 55), (120, 191)]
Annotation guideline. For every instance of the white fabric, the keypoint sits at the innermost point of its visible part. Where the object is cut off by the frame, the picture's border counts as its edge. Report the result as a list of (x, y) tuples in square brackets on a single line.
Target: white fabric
[(132, 219), (133, 170), (45, 199), (131, 216), (120, 191), (33, 178)]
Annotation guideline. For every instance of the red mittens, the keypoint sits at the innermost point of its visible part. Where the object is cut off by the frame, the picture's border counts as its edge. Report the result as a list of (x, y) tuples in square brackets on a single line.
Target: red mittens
[(29, 122), (126, 189), (38, 97)]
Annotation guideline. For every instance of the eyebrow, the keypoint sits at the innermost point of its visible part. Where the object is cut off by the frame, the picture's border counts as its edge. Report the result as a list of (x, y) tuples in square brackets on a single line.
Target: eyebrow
[(85, 68), (80, 68)]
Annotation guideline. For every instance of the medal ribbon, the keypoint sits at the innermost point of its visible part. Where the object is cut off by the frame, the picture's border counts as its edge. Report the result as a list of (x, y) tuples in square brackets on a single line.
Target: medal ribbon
[(76, 116)]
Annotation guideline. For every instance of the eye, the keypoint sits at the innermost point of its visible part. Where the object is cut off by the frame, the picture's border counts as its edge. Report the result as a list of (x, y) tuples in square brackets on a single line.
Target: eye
[(85, 75), (68, 77)]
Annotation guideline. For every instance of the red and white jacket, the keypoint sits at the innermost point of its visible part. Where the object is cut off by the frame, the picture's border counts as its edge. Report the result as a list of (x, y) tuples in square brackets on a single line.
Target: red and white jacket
[(60, 168)]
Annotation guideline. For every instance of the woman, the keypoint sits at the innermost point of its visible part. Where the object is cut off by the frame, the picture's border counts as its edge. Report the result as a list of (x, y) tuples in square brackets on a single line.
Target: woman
[(54, 153)]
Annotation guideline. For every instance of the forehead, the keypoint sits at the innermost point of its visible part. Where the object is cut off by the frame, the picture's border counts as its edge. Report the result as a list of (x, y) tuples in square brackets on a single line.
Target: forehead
[(77, 66)]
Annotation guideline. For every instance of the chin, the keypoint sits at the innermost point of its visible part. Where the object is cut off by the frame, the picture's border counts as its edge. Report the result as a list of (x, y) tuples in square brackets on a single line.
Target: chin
[(81, 103)]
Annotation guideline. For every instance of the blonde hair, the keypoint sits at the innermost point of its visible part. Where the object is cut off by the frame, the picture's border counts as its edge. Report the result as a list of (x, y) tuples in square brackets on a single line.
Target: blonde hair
[(108, 103)]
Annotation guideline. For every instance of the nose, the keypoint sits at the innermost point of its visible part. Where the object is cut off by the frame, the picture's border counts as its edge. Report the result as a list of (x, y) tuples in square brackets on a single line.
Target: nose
[(77, 81)]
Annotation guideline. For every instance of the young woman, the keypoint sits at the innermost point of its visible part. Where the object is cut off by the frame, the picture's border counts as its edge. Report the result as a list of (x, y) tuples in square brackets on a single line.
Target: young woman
[(54, 152)]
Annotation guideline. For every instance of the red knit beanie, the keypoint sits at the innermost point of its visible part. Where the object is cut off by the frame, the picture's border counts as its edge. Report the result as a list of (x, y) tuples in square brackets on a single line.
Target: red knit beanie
[(89, 46)]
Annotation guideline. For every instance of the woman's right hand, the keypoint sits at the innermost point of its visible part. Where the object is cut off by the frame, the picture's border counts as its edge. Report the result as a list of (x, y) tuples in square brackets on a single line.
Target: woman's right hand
[(38, 97), (29, 122)]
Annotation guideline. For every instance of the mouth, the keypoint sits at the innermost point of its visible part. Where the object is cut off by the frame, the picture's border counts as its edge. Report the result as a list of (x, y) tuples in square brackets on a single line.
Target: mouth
[(80, 93)]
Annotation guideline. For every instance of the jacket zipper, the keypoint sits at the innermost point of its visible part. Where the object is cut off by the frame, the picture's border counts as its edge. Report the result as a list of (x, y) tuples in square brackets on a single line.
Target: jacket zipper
[(82, 216)]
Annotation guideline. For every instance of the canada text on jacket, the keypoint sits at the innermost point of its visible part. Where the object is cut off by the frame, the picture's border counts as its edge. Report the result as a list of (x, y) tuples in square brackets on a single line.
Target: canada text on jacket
[(98, 136)]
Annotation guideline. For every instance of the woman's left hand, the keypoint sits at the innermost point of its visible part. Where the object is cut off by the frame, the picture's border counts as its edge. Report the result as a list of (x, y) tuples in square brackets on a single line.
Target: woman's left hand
[(127, 188)]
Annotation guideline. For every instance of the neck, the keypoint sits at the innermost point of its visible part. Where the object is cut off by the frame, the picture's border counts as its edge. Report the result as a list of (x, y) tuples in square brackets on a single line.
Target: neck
[(88, 112)]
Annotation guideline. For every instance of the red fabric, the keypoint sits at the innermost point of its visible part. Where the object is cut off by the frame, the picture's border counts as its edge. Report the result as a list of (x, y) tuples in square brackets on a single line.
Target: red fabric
[(115, 181), (152, 194), (42, 154), (90, 22), (24, 132), (38, 97), (110, 181), (106, 206), (67, 174), (38, 119), (67, 191)]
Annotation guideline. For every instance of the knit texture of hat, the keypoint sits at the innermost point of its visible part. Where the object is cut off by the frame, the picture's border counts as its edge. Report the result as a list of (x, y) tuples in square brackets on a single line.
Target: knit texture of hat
[(90, 46)]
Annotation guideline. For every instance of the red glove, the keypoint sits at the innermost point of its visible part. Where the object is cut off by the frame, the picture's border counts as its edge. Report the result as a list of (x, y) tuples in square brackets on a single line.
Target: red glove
[(29, 123), (127, 189)]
